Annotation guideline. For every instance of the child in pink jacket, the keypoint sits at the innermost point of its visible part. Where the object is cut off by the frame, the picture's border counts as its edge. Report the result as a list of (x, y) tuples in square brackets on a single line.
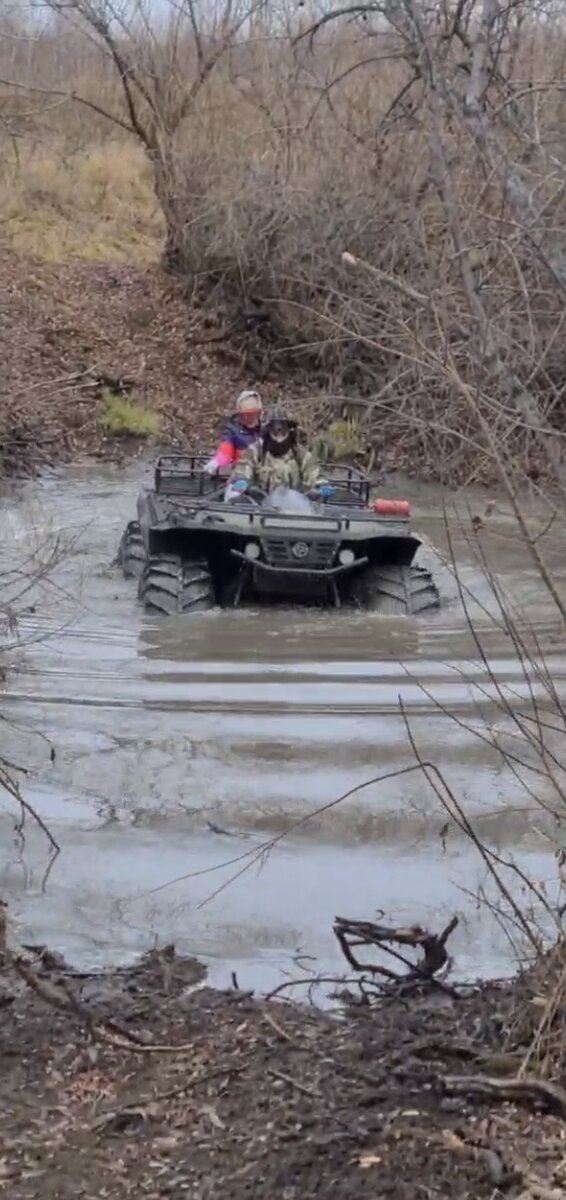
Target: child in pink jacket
[(240, 431)]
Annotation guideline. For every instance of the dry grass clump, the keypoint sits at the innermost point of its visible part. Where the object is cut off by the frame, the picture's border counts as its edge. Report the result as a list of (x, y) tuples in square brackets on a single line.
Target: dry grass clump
[(96, 203), (124, 418), (533, 1017)]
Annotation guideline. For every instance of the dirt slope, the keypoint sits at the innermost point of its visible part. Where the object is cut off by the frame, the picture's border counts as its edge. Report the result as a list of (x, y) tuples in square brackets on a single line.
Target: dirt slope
[(65, 327)]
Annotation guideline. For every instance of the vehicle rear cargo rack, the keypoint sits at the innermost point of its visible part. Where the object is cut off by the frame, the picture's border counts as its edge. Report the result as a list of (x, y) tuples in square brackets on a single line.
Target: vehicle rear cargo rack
[(184, 475), (351, 483)]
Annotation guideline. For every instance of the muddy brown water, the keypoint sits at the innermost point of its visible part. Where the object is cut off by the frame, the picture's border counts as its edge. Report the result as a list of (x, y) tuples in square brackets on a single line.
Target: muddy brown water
[(165, 731)]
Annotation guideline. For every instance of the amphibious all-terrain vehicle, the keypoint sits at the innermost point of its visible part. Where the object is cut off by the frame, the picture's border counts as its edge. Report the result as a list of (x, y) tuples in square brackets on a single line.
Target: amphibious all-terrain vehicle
[(190, 549)]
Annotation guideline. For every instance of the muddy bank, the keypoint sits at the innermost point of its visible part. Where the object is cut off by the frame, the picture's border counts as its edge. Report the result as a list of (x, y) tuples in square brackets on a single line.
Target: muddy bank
[(210, 1094), (72, 332)]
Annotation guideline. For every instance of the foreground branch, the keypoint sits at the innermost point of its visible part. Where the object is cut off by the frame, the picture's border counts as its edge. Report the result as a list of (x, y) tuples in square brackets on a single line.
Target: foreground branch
[(527, 1089), (352, 933)]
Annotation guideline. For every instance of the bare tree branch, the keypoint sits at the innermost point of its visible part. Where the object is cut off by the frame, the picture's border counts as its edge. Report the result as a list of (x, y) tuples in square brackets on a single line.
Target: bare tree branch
[(70, 96)]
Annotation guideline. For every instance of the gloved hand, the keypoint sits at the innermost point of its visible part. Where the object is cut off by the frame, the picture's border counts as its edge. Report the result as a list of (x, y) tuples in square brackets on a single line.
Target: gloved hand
[(326, 491), (239, 485), (211, 467)]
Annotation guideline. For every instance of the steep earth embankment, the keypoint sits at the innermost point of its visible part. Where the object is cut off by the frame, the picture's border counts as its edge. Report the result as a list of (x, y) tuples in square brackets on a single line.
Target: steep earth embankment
[(73, 334)]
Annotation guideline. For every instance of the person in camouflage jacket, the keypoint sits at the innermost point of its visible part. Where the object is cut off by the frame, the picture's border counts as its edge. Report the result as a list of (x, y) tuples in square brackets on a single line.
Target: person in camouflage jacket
[(277, 461)]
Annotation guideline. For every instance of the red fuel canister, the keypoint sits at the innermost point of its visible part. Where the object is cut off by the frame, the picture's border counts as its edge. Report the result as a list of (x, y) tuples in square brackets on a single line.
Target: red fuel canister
[(392, 508)]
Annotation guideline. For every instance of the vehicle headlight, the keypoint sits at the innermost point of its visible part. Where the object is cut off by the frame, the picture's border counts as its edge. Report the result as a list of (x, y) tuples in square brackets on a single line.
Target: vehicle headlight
[(346, 557), (251, 550)]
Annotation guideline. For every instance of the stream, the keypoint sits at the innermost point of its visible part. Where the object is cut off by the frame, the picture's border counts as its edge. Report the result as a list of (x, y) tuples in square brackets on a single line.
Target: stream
[(160, 749)]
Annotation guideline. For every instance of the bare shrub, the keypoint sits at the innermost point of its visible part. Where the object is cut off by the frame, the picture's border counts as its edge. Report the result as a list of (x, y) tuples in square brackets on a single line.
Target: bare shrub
[(426, 142), (26, 579), (522, 719)]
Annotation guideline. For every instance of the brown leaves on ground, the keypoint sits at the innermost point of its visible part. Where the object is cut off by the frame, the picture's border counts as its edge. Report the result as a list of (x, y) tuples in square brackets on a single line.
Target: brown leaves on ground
[(255, 1098), (65, 327)]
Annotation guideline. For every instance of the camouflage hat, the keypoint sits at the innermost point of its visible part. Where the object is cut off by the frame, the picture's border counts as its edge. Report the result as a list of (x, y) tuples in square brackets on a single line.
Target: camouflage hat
[(278, 413)]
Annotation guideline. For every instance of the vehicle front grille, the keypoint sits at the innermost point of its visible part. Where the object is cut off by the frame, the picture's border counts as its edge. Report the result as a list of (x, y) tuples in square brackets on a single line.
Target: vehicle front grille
[(279, 553)]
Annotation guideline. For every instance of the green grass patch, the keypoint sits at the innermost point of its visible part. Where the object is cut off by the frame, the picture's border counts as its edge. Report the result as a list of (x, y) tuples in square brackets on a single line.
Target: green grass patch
[(123, 418), (341, 442)]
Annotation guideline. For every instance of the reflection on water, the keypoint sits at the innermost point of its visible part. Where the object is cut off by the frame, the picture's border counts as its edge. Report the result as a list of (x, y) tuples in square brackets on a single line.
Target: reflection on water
[(183, 743)]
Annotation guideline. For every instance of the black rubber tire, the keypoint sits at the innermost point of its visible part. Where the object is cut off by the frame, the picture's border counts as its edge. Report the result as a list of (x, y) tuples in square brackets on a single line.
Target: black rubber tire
[(131, 556), (170, 584), (396, 590)]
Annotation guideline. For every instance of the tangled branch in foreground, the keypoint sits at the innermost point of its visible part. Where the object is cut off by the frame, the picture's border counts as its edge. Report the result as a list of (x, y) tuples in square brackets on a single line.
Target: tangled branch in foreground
[(352, 933)]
